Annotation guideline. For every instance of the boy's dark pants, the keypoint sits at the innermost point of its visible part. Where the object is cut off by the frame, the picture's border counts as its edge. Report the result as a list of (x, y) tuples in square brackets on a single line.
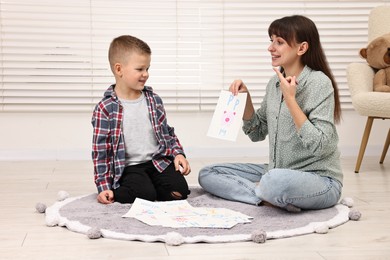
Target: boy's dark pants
[(145, 182)]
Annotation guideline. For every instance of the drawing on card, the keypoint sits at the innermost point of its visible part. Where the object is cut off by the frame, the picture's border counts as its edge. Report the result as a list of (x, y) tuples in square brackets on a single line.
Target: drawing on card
[(226, 121)]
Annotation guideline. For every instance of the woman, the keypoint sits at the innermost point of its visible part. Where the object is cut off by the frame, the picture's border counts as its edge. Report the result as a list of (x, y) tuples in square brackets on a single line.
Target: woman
[(298, 114)]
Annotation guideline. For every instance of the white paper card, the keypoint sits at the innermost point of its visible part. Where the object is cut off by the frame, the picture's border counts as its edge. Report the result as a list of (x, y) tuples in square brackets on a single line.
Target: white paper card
[(227, 118)]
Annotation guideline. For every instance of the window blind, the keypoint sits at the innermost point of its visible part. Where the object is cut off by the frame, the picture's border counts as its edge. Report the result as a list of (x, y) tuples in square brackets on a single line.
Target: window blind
[(54, 53)]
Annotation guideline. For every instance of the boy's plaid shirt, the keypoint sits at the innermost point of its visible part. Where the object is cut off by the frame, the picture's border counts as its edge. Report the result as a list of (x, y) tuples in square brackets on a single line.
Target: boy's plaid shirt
[(108, 148)]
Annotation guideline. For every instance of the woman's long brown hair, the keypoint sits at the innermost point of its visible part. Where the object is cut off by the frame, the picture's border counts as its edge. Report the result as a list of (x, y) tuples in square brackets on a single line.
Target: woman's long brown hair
[(298, 29)]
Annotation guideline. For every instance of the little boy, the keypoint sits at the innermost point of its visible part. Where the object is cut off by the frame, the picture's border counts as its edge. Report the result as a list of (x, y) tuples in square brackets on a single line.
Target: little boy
[(135, 153)]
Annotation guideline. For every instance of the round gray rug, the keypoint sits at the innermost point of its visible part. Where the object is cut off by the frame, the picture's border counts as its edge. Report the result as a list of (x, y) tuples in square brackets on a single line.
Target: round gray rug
[(85, 215)]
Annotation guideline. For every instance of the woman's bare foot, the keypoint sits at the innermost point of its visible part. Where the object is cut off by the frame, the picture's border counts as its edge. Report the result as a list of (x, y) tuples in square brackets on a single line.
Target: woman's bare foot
[(289, 207)]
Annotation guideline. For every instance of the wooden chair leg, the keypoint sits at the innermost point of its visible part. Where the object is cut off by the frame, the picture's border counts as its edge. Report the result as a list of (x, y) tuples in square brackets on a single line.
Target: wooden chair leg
[(385, 148), (363, 145)]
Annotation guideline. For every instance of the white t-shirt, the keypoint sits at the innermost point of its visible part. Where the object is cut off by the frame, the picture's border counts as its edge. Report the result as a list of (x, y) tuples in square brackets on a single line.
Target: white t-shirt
[(140, 139)]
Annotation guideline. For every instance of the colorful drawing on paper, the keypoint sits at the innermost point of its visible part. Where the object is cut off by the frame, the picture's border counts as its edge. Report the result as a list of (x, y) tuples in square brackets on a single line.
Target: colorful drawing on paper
[(227, 118), (180, 214)]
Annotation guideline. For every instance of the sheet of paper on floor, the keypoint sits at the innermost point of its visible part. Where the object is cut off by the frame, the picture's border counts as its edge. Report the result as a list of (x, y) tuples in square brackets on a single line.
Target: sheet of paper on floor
[(180, 213)]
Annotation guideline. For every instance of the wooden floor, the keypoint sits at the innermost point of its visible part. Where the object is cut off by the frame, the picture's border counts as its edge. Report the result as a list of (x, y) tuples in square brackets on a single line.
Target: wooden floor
[(24, 235)]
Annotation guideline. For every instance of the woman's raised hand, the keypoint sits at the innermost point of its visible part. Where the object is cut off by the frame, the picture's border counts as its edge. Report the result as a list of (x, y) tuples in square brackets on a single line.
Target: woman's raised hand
[(288, 85)]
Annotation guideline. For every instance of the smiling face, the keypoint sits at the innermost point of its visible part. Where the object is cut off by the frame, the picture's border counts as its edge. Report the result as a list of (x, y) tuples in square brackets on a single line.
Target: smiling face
[(282, 53), (287, 55), (132, 73)]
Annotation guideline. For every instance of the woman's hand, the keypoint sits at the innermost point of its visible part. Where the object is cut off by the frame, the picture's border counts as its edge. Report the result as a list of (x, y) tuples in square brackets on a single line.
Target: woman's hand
[(238, 86), (288, 85)]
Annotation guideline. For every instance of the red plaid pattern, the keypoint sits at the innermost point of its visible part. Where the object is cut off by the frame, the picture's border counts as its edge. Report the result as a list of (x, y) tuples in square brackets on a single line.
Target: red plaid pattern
[(108, 148)]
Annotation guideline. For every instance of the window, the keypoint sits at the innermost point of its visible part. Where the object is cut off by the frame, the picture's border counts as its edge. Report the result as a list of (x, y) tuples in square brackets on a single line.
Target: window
[(54, 53)]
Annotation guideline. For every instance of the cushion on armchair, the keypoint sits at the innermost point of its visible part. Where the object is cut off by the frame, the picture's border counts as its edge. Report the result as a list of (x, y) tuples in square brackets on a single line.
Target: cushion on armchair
[(366, 102)]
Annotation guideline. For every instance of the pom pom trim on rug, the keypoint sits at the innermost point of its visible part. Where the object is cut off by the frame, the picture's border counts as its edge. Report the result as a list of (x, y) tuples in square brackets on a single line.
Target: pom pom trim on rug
[(94, 233), (174, 239), (62, 195), (347, 202), (354, 215), (259, 236), (40, 207)]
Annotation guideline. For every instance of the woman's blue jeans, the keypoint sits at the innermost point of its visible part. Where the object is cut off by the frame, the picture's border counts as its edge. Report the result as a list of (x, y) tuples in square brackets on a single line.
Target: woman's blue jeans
[(253, 183)]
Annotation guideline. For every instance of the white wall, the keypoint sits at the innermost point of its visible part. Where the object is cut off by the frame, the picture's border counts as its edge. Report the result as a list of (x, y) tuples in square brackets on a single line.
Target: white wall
[(63, 136)]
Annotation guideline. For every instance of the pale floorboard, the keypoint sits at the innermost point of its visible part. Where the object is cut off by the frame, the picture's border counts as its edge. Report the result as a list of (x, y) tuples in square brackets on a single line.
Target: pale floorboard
[(24, 235)]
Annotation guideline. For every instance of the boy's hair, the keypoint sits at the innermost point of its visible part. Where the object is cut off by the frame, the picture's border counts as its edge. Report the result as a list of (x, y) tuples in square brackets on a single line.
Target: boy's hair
[(124, 45), (298, 29)]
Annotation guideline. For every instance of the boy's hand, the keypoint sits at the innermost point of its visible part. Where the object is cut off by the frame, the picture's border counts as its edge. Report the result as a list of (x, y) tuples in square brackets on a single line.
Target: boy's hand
[(182, 165), (106, 197)]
